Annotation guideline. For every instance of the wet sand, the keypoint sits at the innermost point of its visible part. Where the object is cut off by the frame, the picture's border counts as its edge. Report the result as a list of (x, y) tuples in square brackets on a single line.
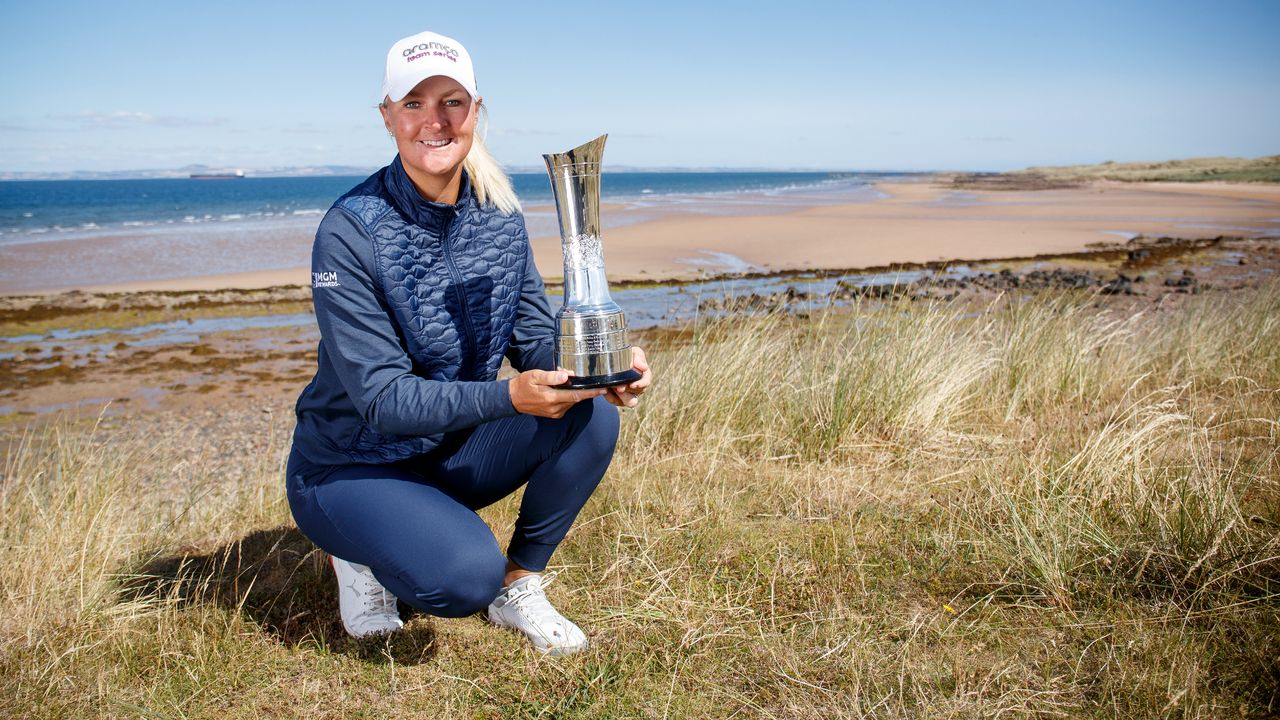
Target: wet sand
[(912, 222)]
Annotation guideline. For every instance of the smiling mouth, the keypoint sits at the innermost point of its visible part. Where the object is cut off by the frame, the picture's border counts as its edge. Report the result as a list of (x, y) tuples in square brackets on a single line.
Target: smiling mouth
[(436, 143)]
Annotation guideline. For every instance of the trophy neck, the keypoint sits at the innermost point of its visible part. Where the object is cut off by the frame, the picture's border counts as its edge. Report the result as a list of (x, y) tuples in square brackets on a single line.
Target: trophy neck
[(587, 289)]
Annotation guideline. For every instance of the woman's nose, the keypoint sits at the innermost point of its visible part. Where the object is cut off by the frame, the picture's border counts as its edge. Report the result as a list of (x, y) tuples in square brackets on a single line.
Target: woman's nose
[(434, 118)]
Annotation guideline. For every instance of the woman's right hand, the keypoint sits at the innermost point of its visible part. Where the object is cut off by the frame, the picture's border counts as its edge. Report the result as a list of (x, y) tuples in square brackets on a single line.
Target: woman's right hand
[(532, 393)]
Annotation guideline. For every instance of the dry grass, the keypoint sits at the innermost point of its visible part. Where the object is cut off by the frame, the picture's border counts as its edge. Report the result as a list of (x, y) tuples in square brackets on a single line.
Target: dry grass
[(1227, 169), (1034, 509)]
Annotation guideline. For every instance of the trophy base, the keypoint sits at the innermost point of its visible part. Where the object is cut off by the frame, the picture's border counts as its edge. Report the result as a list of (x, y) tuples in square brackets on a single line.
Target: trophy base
[(599, 381)]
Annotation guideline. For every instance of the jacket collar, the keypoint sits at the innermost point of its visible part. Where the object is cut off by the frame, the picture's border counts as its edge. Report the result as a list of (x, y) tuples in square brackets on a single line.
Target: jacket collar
[(433, 216)]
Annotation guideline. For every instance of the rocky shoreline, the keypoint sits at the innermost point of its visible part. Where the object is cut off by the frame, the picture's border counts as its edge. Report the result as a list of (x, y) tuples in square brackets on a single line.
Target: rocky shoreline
[(193, 352), (1142, 267)]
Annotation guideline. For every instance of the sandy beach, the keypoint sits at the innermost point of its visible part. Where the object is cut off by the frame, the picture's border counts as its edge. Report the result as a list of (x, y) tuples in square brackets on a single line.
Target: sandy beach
[(928, 222), (906, 223)]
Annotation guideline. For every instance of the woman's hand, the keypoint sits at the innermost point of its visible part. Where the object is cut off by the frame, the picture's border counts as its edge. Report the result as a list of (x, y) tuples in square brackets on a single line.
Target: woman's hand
[(532, 393), (629, 395)]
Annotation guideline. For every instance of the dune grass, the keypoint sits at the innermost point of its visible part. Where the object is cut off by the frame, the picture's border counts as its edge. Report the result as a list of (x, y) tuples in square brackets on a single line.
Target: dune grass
[(1221, 169), (1036, 508)]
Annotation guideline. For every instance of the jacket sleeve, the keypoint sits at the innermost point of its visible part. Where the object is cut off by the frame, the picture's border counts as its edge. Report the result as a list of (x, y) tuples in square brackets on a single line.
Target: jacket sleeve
[(361, 341), (533, 340)]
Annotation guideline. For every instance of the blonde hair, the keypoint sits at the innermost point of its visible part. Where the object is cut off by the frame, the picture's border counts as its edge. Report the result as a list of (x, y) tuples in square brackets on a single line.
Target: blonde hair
[(489, 181)]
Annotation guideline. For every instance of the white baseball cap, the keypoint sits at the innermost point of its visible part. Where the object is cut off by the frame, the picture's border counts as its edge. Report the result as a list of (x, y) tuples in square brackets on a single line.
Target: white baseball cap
[(427, 54)]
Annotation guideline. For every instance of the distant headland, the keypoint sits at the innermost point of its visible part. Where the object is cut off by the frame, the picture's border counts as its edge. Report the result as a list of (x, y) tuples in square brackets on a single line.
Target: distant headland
[(1264, 169)]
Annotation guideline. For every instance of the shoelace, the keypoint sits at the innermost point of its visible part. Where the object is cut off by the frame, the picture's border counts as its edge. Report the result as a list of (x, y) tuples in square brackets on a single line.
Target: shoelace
[(532, 602), (375, 601)]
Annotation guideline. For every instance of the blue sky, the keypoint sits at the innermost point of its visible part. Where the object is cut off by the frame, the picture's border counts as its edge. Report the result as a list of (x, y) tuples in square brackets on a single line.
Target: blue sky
[(839, 85)]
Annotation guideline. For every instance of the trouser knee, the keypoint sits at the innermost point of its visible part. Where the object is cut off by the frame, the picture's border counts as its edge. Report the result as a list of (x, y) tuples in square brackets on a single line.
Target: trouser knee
[(455, 587), (594, 424), (469, 597)]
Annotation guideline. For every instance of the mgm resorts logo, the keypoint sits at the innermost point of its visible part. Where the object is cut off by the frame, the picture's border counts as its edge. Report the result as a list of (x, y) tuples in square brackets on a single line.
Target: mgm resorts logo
[(324, 279), (430, 48)]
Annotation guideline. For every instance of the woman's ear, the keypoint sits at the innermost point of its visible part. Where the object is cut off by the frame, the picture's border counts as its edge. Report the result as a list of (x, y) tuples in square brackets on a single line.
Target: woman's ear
[(386, 119)]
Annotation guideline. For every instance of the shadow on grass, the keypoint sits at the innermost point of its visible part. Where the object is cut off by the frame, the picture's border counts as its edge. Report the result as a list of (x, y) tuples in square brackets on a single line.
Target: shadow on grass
[(278, 579)]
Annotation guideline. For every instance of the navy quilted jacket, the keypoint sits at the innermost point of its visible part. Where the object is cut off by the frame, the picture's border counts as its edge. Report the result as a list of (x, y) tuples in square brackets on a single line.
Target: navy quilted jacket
[(417, 304)]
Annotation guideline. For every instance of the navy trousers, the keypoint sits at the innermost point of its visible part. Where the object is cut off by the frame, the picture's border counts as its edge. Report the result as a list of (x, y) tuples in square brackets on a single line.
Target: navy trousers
[(414, 522)]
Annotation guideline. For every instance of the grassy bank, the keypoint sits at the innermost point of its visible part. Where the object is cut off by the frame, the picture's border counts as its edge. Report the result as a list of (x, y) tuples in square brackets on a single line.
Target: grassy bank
[(1227, 169), (1034, 508)]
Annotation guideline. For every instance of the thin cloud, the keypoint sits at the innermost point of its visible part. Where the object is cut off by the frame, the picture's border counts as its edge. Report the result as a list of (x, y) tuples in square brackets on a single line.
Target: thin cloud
[(309, 129), (129, 118)]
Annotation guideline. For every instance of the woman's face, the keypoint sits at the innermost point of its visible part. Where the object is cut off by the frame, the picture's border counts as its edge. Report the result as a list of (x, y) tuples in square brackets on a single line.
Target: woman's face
[(433, 126)]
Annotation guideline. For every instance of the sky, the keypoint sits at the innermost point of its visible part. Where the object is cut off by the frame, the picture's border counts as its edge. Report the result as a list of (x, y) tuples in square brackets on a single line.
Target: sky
[(788, 84)]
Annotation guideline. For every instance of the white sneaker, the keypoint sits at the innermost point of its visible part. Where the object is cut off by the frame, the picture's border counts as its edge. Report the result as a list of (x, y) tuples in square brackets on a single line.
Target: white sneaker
[(367, 607), (523, 606)]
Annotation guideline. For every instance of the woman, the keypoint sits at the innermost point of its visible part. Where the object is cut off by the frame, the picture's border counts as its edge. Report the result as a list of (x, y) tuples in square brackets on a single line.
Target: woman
[(423, 281)]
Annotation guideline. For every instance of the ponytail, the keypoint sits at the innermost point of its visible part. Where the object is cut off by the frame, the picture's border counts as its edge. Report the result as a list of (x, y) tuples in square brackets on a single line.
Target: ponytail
[(489, 181)]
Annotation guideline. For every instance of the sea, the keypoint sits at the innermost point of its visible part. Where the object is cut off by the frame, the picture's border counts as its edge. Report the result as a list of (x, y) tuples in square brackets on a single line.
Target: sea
[(70, 233)]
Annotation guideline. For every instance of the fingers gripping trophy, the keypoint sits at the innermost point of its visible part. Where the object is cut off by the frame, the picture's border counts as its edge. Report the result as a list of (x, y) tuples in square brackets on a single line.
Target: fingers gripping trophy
[(591, 332)]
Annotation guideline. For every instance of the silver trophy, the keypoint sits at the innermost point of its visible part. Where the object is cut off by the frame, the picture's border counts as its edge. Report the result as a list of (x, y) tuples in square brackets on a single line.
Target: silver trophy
[(591, 333)]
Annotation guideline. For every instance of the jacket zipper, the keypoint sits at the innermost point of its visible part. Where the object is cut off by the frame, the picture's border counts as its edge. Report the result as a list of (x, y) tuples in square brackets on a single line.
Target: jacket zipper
[(462, 295)]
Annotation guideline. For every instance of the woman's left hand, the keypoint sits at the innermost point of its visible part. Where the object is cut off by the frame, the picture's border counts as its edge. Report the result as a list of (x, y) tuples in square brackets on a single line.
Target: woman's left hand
[(629, 395)]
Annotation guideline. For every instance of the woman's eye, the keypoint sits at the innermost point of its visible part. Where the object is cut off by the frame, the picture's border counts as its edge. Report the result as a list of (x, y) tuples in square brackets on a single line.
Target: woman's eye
[(412, 105), (452, 103)]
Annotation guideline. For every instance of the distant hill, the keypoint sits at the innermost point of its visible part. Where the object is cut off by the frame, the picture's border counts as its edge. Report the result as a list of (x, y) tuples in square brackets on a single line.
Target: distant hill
[(1224, 169), (1264, 169), (188, 171)]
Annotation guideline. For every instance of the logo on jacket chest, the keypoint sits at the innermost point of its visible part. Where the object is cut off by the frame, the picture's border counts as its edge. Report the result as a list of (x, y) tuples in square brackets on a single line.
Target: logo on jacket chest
[(324, 279)]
